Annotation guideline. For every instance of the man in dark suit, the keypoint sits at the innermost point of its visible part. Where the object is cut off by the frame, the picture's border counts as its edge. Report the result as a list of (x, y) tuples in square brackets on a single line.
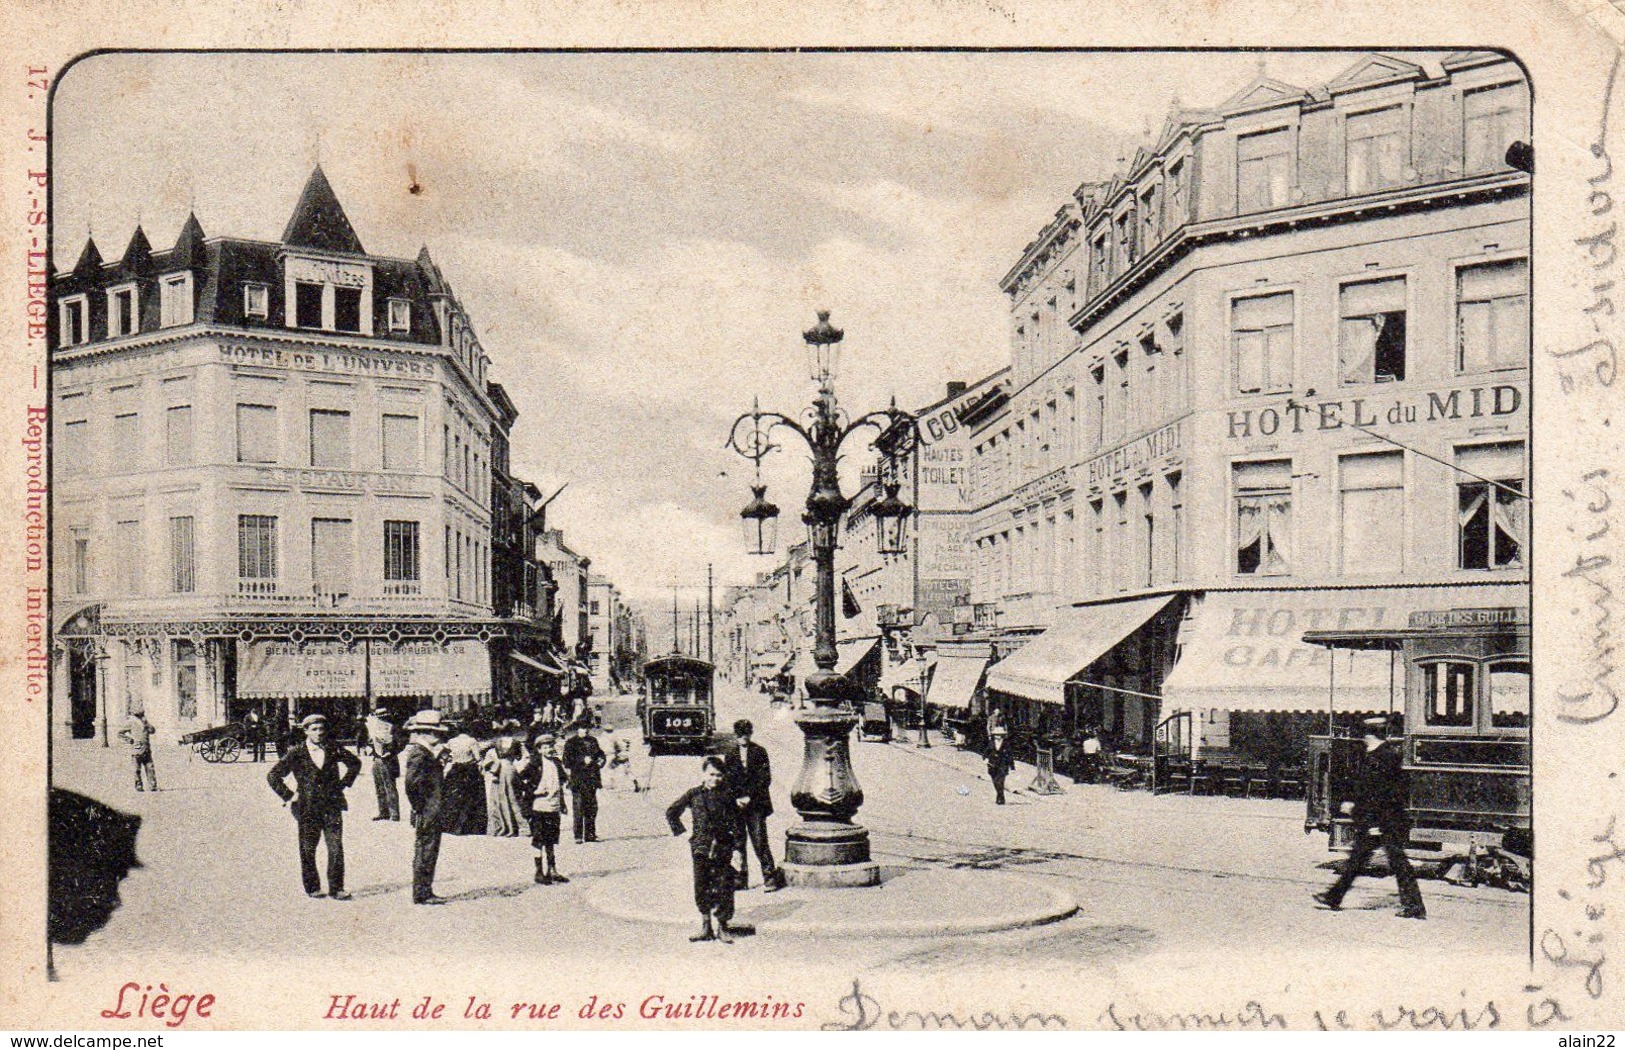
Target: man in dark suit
[(711, 847), (1381, 795), (425, 780), (584, 760), (749, 775), (318, 807)]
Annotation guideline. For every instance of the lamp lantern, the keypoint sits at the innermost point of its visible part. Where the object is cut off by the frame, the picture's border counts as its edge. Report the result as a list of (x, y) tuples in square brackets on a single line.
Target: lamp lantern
[(823, 350), (760, 521), (891, 516)]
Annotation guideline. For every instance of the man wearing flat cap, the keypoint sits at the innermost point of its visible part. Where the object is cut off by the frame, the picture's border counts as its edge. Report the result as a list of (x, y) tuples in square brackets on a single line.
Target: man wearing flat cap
[(425, 781), (317, 801), (1381, 794)]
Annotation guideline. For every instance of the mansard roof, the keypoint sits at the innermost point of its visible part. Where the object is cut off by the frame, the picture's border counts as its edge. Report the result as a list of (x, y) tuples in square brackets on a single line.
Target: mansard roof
[(188, 251), (90, 259), (318, 220), (137, 254)]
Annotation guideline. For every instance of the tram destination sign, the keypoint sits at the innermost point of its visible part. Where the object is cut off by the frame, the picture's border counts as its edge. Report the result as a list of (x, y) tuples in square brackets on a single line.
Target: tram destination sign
[(1495, 617)]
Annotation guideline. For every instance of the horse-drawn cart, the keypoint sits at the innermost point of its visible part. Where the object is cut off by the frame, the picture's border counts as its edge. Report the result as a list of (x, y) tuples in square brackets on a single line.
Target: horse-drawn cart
[(216, 743)]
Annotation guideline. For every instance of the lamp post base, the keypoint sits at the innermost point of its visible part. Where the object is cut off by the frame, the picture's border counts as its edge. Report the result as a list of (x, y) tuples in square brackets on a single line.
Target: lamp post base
[(833, 876), (828, 854)]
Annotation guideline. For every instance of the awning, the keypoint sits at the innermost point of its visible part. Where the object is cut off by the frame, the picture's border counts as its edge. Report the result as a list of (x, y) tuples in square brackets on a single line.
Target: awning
[(905, 674), (529, 661), (328, 667), (851, 652), (768, 661), (957, 678), (1244, 650), (1079, 637)]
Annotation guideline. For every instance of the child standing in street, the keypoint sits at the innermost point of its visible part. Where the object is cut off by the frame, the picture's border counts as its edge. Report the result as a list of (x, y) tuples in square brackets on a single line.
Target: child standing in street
[(712, 844)]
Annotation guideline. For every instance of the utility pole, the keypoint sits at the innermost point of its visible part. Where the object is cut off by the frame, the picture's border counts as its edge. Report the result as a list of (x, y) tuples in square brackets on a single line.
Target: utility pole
[(676, 639), (710, 619)]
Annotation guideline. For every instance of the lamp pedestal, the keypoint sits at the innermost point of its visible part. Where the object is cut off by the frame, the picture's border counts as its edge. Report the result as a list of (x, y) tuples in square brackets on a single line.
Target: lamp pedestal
[(828, 849)]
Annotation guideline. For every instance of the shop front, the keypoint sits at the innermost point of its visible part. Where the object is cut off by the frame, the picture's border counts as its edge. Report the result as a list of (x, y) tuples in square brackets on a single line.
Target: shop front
[(334, 677), (1248, 686), (1096, 665)]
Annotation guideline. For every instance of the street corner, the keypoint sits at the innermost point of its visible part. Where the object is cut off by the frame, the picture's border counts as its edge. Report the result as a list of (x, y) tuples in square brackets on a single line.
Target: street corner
[(909, 902)]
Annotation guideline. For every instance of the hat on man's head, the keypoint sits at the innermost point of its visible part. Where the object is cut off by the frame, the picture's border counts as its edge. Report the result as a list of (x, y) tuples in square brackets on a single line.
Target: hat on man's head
[(427, 722), (1376, 725), (381, 711), (312, 720), (743, 727), (544, 738)]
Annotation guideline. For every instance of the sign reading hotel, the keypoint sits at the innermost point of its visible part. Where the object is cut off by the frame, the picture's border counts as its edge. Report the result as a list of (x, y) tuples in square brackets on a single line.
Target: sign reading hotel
[(313, 360), (1296, 417), (1112, 466)]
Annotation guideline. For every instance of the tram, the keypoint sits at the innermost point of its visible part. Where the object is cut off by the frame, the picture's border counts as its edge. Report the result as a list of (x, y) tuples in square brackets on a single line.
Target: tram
[(1465, 740), (676, 707)]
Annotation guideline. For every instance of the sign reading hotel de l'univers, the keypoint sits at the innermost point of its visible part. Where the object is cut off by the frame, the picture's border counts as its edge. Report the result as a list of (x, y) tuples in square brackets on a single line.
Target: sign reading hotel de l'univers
[(1295, 417)]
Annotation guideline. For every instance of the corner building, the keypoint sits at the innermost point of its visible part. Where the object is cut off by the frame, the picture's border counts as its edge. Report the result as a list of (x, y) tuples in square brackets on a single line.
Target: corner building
[(1273, 377), (272, 480)]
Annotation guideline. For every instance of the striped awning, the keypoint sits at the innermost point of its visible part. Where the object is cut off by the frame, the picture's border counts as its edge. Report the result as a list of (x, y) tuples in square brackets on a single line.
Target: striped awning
[(1244, 650), (530, 661), (329, 667), (1079, 637)]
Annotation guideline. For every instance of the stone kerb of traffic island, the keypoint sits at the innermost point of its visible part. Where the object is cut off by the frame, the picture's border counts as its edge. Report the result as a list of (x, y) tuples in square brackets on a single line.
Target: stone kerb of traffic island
[(909, 902)]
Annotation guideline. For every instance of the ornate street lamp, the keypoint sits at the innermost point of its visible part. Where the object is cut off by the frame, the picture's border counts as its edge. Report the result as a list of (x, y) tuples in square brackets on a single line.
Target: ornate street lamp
[(828, 847)]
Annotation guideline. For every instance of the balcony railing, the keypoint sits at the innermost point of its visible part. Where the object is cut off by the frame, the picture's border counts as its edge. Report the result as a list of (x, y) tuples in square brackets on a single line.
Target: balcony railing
[(258, 588), (402, 588)]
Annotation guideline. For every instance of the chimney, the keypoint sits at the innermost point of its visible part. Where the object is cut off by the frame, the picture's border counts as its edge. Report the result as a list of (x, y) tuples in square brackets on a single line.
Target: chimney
[(955, 389)]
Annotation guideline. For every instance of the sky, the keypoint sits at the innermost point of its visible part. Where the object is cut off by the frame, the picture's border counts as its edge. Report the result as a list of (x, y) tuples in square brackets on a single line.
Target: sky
[(640, 239)]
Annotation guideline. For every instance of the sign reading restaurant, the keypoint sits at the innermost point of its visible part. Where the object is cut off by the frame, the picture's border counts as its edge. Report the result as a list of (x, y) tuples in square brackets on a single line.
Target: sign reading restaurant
[(1295, 417)]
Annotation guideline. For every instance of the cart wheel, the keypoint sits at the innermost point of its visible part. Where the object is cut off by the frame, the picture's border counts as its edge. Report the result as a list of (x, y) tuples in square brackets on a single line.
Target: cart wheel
[(206, 751), (227, 750)]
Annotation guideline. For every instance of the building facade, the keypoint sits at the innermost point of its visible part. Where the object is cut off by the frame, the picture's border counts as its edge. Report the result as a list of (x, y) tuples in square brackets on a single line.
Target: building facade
[(272, 467), (1272, 377)]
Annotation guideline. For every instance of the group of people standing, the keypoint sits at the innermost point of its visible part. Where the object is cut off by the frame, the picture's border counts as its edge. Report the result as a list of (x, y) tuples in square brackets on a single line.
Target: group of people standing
[(469, 778)]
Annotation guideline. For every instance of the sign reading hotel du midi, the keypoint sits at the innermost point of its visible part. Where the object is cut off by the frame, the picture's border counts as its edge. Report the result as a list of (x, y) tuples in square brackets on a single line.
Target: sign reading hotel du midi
[(1295, 417)]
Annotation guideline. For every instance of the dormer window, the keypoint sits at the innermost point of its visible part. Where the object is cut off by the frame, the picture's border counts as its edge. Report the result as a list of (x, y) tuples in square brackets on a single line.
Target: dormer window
[(329, 296), (347, 309), (400, 315), (73, 321), (307, 304), (175, 299), (122, 318), (256, 301)]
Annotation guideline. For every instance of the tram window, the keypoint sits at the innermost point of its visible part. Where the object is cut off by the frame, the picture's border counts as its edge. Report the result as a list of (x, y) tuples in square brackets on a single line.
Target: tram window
[(1509, 695), (1449, 693)]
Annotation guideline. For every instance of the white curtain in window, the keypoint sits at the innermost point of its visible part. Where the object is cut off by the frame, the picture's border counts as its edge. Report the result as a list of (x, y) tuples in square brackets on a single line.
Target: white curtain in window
[(1277, 534)]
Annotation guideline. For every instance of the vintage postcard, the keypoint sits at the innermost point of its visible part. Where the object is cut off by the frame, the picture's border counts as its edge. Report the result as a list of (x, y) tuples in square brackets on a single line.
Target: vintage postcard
[(961, 516)]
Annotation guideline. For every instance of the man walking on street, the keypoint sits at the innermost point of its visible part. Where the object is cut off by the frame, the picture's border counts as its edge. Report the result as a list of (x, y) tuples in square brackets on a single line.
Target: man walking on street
[(254, 728), (425, 784), (999, 762), (711, 846), (1381, 794), (386, 763), (751, 779), (584, 761), (318, 808), (138, 734)]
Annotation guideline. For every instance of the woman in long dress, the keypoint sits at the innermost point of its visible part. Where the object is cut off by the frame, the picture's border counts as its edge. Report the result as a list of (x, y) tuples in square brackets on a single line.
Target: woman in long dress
[(503, 815), (465, 786)]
